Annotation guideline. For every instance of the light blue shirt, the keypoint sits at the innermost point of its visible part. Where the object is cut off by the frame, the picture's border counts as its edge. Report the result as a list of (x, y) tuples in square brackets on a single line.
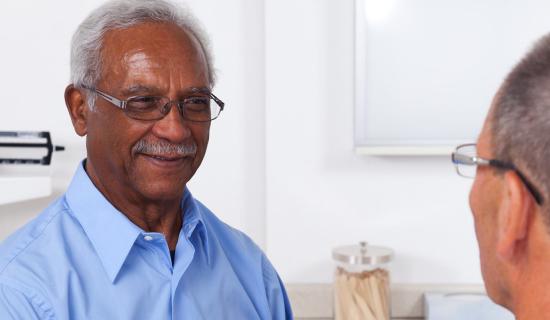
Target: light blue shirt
[(83, 259)]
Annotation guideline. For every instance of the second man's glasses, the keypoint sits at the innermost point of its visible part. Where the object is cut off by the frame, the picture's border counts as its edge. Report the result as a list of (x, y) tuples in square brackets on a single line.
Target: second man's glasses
[(466, 161)]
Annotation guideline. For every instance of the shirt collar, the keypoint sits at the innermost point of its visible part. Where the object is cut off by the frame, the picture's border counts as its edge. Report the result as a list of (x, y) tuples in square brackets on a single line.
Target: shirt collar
[(111, 233), (193, 221)]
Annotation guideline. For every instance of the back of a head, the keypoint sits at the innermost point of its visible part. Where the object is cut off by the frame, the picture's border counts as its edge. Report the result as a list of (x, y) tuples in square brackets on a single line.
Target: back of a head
[(521, 118), (86, 60)]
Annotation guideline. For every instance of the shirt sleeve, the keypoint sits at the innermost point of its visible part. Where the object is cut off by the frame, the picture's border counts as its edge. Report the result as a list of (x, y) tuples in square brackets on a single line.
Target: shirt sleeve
[(276, 294), (15, 305)]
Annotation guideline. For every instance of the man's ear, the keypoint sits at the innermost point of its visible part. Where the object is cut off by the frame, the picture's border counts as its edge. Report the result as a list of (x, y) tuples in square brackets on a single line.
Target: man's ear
[(78, 109), (514, 216)]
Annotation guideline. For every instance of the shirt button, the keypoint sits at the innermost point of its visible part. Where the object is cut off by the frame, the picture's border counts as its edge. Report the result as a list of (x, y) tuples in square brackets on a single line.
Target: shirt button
[(148, 238)]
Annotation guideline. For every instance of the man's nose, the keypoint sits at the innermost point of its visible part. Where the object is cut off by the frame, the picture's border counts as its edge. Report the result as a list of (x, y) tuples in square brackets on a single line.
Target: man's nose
[(172, 127)]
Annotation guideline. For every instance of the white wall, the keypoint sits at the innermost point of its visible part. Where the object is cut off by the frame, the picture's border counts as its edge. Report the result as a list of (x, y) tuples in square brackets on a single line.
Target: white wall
[(280, 165), (231, 181), (319, 193)]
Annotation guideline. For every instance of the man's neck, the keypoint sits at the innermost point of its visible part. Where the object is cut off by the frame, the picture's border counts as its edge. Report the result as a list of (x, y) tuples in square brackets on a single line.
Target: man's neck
[(162, 216), (530, 297), (532, 306), (165, 219)]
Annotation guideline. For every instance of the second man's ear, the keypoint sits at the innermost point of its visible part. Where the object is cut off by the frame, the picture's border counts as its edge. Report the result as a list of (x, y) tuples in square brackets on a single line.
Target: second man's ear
[(78, 109), (514, 216)]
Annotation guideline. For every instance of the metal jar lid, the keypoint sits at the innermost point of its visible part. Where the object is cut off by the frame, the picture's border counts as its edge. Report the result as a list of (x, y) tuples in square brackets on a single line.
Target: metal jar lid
[(362, 254)]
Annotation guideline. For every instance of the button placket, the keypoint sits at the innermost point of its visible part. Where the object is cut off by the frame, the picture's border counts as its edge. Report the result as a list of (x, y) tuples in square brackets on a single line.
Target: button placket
[(158, 245)]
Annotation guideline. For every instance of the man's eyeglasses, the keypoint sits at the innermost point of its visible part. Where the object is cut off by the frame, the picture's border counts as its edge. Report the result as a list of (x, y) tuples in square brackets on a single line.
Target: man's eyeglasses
[(466, 161), (197, 107)]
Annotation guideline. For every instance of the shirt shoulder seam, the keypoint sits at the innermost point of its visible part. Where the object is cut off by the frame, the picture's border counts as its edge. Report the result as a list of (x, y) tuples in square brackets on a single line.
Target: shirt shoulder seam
[(30, 241)]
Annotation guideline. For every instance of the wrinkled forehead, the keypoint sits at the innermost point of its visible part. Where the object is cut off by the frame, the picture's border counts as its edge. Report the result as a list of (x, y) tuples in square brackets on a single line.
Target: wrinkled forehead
[(151, 45)]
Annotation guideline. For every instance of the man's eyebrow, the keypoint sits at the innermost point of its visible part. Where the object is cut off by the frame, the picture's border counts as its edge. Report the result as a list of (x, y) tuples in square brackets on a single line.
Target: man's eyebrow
[(140, 89), (145, 89), (192, 90)]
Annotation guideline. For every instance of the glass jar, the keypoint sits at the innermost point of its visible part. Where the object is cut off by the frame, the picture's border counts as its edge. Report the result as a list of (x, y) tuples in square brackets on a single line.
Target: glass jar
[(362, 282)]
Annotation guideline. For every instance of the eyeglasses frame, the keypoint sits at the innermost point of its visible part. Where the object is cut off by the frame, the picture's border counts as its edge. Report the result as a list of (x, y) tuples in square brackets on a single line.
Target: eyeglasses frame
[(456, 158), (122, 103)]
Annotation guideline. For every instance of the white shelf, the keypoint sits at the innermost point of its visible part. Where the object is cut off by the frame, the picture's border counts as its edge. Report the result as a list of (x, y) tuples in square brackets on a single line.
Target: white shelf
[(315, 301), (405, 150), (14, 189)]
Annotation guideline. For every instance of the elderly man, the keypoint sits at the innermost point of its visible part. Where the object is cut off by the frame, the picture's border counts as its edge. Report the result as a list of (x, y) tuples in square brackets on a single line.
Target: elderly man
[(128, 240), (511, 190)]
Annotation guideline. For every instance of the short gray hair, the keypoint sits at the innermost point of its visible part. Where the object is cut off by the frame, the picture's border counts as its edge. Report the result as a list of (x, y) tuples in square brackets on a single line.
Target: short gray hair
[(87, 40), (520, 122)]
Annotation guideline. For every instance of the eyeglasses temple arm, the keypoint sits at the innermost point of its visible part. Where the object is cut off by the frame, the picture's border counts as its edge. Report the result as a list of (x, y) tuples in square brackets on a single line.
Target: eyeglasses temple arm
[(529, 185), (117, 102), (217, 100)]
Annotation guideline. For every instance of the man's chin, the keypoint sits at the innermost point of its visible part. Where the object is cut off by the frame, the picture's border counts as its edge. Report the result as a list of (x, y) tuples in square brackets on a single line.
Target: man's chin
[(161, 180), (160, 187), (158, 192)]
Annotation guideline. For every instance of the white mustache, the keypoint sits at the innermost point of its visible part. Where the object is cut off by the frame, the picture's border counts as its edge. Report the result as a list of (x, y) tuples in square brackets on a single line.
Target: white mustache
[(165, 148)]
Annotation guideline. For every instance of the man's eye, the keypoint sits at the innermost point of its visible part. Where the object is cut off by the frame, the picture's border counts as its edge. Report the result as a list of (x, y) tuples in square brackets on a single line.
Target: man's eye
[(197, 104), (143, 103), (197, 100)]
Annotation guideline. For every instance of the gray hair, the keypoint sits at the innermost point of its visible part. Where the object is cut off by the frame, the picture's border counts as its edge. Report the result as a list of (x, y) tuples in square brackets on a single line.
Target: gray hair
[(121, 14), (520, 122)]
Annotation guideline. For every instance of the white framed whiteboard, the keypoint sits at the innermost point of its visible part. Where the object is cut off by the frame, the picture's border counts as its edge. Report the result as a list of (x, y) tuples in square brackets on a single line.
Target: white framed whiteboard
[(426, 70)]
